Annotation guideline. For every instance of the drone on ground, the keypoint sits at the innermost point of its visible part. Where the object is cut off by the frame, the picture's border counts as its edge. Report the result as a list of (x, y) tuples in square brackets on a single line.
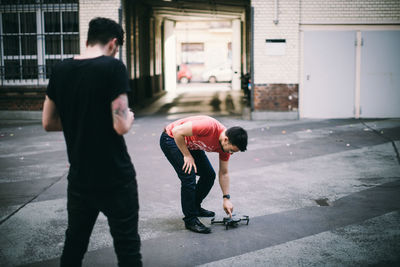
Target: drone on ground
[(232, 222)]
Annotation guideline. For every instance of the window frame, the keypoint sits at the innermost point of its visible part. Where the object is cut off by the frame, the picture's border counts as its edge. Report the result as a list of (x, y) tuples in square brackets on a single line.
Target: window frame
[(40, 8), (192, 53)]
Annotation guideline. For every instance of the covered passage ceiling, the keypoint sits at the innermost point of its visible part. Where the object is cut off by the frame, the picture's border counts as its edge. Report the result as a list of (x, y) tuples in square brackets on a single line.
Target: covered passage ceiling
[(179, 10)]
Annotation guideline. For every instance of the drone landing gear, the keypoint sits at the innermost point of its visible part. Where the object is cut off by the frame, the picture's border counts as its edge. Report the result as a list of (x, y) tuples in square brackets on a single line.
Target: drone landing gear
[(231, 222)]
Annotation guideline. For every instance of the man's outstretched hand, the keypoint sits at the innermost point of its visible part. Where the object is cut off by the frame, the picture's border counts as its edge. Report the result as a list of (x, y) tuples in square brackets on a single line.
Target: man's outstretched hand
[(228, 207)]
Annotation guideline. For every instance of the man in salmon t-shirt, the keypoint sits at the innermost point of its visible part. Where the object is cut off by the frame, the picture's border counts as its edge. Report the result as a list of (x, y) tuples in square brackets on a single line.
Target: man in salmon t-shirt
[(183, 143)]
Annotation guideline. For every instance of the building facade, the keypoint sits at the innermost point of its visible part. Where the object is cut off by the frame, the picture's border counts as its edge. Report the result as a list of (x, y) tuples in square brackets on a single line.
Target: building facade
[(204, 45), (326, 59), (307, 59)]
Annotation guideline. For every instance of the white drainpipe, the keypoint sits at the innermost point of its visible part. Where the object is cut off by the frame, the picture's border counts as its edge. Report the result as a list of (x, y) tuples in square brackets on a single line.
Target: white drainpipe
[(276, 20)]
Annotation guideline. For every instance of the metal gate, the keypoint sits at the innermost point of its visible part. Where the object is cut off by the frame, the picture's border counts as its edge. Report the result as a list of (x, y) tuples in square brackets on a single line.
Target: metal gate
[(329, 74), (353, 73), (34, 36), (380, 74)]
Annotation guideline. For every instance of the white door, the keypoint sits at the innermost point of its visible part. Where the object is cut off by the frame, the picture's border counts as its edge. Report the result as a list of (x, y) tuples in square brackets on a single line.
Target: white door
[(380, 74), (329, 74)]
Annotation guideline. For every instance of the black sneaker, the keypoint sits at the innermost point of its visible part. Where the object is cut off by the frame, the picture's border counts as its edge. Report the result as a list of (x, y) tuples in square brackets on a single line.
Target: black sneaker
[(197, 226), (206, 213)]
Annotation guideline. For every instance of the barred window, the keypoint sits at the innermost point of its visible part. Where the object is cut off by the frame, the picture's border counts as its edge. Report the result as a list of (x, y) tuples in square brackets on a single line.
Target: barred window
[(36, 35), (192, 53)]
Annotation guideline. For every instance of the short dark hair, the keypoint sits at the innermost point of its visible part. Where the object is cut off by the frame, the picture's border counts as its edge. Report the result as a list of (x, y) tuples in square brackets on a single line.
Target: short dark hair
[(102, 30), (238, 137)]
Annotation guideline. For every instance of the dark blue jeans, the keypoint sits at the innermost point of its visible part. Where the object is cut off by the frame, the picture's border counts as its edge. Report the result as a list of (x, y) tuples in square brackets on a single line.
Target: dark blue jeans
[(192, 193), (120, 206)]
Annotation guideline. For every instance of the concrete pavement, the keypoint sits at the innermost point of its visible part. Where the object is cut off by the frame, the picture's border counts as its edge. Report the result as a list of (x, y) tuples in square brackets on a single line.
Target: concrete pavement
[(318, 192)]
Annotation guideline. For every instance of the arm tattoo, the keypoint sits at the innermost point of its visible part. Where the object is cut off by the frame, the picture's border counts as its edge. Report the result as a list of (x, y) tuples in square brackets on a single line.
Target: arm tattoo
[(121, 112), (121, 108)]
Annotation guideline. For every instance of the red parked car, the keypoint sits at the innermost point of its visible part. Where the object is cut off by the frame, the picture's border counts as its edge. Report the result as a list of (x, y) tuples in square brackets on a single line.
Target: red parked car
[(184, 74)]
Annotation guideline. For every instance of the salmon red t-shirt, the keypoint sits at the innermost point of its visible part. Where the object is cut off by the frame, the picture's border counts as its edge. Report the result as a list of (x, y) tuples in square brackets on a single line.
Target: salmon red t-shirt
[(206, 132)]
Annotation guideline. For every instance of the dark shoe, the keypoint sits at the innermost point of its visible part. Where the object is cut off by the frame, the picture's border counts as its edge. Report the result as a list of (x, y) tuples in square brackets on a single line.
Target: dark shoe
[(206, 213), (198, 227)]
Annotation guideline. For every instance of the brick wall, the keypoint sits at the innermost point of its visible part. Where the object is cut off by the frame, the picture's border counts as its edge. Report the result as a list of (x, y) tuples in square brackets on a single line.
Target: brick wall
[(276, 97), (271, 68), (22, 98), (89, 9), (350, 12)]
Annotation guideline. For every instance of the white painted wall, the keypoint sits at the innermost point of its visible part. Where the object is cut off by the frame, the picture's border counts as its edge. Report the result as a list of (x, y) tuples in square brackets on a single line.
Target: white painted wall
[(236, 54), (169, 56)]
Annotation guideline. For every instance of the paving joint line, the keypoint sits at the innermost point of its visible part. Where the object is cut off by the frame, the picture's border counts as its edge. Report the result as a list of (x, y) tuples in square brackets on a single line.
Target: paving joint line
[(32, 199), (386, 138)]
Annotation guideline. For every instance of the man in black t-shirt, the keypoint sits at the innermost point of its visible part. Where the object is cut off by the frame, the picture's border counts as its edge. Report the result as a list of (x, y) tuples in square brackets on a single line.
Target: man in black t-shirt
[(87, 100)]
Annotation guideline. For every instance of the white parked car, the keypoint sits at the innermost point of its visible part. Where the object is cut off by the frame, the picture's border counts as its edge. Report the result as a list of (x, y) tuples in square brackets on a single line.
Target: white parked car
[(221, 73)]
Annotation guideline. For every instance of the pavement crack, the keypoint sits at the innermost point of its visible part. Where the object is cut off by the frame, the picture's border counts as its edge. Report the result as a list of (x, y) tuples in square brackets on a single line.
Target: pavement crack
[(386, 138), (32, 199)]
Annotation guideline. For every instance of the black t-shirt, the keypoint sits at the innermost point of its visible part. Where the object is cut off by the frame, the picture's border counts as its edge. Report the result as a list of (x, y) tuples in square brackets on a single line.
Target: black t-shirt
[(83, 91)]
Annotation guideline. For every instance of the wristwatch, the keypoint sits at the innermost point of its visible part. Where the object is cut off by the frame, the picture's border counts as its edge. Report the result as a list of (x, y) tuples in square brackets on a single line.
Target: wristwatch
[(226, 196)]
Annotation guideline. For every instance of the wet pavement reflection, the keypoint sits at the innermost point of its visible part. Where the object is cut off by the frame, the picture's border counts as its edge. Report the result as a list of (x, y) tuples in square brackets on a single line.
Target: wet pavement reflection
[(198, 98)]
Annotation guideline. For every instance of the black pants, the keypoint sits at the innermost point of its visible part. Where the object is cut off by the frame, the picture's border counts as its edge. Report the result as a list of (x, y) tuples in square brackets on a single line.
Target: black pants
[(192, 193), (121, 208)]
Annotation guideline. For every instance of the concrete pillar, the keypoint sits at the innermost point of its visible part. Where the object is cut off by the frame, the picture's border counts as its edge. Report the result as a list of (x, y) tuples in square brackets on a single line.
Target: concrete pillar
[(236, 54), (169, 56)]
